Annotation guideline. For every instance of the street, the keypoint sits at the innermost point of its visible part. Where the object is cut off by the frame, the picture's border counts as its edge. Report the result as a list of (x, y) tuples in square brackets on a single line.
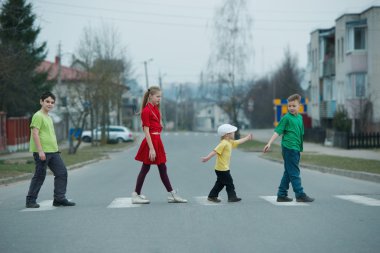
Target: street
[(344, 218)]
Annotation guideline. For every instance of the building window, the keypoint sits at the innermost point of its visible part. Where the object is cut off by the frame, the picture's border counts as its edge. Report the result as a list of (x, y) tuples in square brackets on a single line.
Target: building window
[(63, 101), (356, 85), (356, 38)]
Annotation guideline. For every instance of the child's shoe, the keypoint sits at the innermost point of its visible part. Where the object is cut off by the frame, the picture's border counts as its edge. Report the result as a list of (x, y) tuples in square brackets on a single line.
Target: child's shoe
[(234, 199), (304, 198), (213, 199), (139, 199), (175, 198), (284, 199)]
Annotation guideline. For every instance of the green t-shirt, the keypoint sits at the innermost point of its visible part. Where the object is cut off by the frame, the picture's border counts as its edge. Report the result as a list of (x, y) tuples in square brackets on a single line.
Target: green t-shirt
[(44, 124), (292, 131)]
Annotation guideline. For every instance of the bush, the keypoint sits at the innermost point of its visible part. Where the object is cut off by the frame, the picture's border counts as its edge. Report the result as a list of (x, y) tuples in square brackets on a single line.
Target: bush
[(341, 121)]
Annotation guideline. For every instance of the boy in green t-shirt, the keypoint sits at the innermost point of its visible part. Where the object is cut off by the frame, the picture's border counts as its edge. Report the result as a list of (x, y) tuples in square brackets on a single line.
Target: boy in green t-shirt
[(43, 144), (292, 130), (222, 165)]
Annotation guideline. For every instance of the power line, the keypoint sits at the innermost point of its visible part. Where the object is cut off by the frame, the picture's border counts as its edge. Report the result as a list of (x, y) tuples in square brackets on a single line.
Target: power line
[(171, 15), (121, 11)]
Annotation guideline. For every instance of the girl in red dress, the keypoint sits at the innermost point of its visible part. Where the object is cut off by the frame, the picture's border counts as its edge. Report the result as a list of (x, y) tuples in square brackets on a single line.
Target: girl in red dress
[(152, 150)]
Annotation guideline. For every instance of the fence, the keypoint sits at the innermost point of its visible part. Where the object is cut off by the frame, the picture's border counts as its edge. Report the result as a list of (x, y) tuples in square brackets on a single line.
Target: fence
[(3, 133), (316, 135), (18, 133), (359, 140)]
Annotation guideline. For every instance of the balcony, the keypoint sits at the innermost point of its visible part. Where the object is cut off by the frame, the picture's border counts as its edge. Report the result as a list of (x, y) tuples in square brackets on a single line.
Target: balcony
[(357, 61), (327, 109), (329, 67)]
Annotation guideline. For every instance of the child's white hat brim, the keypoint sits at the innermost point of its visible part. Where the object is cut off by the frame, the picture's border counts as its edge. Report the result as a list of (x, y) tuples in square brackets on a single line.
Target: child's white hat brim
[(226, 129)]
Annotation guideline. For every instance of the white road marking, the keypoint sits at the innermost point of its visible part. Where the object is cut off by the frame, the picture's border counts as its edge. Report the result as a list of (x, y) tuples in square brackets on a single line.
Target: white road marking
[(122, 203), (273, 200), (203, 201), (360, 200), (46, 205)]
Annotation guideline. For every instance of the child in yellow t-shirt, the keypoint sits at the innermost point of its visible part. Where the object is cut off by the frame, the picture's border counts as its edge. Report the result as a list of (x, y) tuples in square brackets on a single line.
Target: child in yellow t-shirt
[(222, 165)]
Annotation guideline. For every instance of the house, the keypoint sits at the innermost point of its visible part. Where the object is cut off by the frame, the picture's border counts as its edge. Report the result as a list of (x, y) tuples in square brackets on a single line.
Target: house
[(344, 71), (209, 116), (69, 83)]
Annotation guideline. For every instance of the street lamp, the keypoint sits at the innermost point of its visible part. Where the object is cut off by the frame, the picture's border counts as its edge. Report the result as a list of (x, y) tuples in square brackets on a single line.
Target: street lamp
[(146, 71)]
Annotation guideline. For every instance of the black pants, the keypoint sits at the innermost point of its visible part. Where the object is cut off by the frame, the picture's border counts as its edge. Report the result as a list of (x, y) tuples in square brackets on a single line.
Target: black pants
[(56, 165), (223, 179)]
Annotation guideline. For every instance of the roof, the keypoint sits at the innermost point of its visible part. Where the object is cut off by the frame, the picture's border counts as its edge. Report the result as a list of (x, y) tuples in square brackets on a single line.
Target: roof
[(67, 73), (358, 13)]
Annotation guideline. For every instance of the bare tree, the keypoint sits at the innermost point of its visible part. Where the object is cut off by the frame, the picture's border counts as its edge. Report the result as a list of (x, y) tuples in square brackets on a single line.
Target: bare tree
[(102, 55), (230, 57)]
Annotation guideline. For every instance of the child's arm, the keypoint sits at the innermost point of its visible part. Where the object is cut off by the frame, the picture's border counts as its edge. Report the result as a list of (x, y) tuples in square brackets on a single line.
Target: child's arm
[(209, 156), (152, 152), (36, 138), (247, 138), (267, 147)]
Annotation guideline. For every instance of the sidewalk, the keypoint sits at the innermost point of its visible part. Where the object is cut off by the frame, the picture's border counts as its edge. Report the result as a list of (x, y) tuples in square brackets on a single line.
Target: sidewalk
[(265, 134)]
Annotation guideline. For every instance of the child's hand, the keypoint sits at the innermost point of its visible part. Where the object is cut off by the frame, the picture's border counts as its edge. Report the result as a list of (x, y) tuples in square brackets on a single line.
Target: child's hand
[(250, 137), (205, 159), (266, 148)]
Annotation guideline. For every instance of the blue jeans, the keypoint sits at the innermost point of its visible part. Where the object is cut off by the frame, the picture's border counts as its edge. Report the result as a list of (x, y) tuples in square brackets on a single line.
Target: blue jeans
[(56, 165), (291, 173)]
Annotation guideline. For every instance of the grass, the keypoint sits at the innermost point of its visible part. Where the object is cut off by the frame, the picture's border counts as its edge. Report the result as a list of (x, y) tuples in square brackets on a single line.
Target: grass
[(315, 159), (19, 166)]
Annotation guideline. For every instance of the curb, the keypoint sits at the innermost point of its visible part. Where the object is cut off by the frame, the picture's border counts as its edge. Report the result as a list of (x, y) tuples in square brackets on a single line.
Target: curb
[(372, 177)]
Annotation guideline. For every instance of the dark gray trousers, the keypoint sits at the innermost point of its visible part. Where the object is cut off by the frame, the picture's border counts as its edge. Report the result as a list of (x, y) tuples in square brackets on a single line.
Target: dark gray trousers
[(56, 165)]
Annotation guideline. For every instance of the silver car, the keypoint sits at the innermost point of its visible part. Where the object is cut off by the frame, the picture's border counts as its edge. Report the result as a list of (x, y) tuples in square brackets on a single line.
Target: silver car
[(117, 134)]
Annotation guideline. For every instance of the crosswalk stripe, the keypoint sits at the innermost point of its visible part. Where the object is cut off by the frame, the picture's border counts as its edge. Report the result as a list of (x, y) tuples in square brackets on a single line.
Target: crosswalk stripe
[(203, 201), (46, 205), (360, 200), (122, 203), (273, 200)]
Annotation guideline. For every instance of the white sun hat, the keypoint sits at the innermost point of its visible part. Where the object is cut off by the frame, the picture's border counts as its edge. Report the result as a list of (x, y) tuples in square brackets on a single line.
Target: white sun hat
[(226, 129)]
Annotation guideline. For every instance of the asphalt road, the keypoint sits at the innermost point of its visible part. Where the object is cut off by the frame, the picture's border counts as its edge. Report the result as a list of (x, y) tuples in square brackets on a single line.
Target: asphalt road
[(105, 221)]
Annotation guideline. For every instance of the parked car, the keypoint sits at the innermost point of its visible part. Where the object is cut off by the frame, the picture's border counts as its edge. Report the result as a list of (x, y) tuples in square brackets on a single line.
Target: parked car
[(115, 134)]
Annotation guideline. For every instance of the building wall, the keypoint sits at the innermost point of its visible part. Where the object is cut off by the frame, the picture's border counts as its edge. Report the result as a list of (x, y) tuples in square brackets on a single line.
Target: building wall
[(373, 21), (314, 79)]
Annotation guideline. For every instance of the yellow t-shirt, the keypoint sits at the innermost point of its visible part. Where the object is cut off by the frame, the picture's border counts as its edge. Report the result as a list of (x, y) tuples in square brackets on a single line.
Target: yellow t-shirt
[(223, 151), (45, 125)]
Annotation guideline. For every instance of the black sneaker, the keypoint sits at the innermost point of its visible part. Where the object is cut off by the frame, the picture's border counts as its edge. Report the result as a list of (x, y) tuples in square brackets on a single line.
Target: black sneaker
[(284, 199), (63, 202), (213, 199), (32, 205), (236, 199), (304, 198)]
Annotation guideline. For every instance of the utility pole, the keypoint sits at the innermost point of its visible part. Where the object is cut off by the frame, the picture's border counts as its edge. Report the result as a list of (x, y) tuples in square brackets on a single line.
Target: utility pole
[(162, 101), (146, 72)]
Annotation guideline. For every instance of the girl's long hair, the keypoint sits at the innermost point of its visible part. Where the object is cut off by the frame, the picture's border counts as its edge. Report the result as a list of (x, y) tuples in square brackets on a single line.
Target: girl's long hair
[(151, 91)]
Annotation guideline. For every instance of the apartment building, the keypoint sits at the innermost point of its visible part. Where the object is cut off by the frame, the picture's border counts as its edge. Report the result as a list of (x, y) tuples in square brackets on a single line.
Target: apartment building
[(344, 71)]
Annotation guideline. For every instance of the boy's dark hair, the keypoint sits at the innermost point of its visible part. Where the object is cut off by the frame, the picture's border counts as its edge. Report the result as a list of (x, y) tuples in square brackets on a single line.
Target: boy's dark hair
[(294, 97), (47, 94)]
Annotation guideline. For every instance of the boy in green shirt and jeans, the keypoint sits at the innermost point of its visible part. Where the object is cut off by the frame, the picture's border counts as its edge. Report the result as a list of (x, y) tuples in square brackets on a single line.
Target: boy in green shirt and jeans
[(292, 130), (43, 144)]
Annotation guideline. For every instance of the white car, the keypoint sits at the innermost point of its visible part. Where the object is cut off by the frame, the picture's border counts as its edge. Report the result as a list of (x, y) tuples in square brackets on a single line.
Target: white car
[(117, 134)]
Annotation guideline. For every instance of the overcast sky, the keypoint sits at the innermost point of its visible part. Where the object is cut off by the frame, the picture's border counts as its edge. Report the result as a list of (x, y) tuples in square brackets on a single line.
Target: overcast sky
[(176, 33)]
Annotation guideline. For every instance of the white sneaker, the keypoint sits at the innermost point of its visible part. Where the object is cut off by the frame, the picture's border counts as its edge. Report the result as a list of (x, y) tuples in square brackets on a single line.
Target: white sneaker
[(139, 199), (175, 198)]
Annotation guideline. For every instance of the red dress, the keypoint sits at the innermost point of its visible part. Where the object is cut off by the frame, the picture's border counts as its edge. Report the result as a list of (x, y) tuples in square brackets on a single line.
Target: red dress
[(151, 117)]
